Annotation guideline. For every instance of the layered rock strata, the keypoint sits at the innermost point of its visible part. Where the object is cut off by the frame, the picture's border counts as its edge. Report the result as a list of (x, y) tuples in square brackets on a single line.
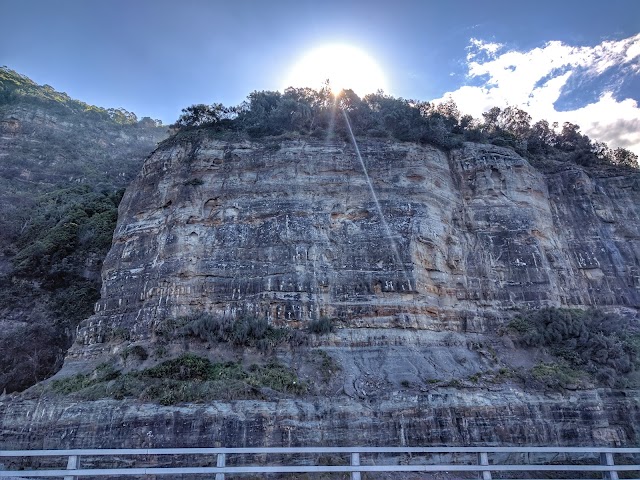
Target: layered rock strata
[(290, 231), (446, 417)]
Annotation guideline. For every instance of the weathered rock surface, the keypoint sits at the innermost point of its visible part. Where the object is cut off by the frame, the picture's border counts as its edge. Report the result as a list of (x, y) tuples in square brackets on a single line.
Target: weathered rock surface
[(446, 417), (290, 231)]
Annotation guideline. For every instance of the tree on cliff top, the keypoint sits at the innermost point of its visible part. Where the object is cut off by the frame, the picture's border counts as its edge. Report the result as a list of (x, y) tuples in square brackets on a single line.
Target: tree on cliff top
[(317, 112), (203, 115)]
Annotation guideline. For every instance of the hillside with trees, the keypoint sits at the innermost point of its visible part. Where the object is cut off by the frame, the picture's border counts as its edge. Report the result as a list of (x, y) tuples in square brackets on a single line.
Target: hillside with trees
[(64, 165)]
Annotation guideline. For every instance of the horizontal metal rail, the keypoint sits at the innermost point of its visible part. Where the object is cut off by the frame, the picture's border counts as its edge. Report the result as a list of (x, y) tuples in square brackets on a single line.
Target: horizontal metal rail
[(483, 467), (317, 468)]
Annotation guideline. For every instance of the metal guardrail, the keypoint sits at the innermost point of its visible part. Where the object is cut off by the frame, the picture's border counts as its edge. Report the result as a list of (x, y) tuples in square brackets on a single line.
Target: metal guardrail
[(484, 465)]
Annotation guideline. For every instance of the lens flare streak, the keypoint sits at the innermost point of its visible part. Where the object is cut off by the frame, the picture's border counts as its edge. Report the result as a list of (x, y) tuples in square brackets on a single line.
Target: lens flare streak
[(394, 248)]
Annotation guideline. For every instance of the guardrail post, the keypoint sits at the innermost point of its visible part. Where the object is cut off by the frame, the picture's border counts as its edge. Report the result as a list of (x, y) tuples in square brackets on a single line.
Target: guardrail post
[(607, 459), (355, 461), (72, 464), (483, 459), (220, 462)]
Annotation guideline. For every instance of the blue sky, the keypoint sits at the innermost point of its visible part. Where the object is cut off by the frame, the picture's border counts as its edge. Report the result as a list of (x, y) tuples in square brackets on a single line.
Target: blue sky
[(157, 57)]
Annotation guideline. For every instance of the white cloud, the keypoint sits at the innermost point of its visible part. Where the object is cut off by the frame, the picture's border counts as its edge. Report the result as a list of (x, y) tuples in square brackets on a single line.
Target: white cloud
[(478, 46), (534, 80)]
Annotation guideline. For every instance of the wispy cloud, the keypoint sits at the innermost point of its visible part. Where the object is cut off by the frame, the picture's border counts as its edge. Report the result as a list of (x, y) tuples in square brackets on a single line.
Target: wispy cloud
[(477, 47), (559, 82)]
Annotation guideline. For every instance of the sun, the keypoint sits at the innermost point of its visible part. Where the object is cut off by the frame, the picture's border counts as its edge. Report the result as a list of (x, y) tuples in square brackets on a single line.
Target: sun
[(344, 66)]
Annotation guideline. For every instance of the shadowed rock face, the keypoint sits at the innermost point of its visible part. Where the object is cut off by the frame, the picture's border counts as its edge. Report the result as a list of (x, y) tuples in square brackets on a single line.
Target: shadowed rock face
[(444, 418), (290, 231)]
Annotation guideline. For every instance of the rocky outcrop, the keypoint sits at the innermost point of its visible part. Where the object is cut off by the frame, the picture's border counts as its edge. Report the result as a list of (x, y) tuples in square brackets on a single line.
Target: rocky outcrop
[(445, 417), (290, 231), (418, 277)]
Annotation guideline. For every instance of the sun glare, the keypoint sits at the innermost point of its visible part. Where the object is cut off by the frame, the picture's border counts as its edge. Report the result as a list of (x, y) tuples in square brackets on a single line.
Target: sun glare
[(343, 65)]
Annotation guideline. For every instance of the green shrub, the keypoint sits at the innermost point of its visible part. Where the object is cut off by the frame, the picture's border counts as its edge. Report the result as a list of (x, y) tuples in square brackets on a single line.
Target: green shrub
[(169, 328), (595, 342), (185, 367), (72, 384), (277, 377), (201, 326), (119, 334), (246, 331), (75, 302), (322, 326), (475, 378), (31, 352), (555, 375), (106, 372), (521, 325), (64, 227), (318, 113), (160, 351), (188, 378), (81, 381), (172, 392), (326, 364)]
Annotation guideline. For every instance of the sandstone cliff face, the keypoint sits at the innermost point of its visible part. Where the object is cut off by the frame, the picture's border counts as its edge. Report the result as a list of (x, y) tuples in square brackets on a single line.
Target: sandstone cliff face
[(290, 231)]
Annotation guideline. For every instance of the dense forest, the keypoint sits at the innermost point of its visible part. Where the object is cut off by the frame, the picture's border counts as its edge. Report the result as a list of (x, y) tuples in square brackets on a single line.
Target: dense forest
[(318, 113)]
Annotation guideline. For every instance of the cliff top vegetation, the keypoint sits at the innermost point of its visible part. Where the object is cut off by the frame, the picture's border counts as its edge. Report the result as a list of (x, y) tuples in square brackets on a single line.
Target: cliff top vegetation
[(16, 88), (317, 113)]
